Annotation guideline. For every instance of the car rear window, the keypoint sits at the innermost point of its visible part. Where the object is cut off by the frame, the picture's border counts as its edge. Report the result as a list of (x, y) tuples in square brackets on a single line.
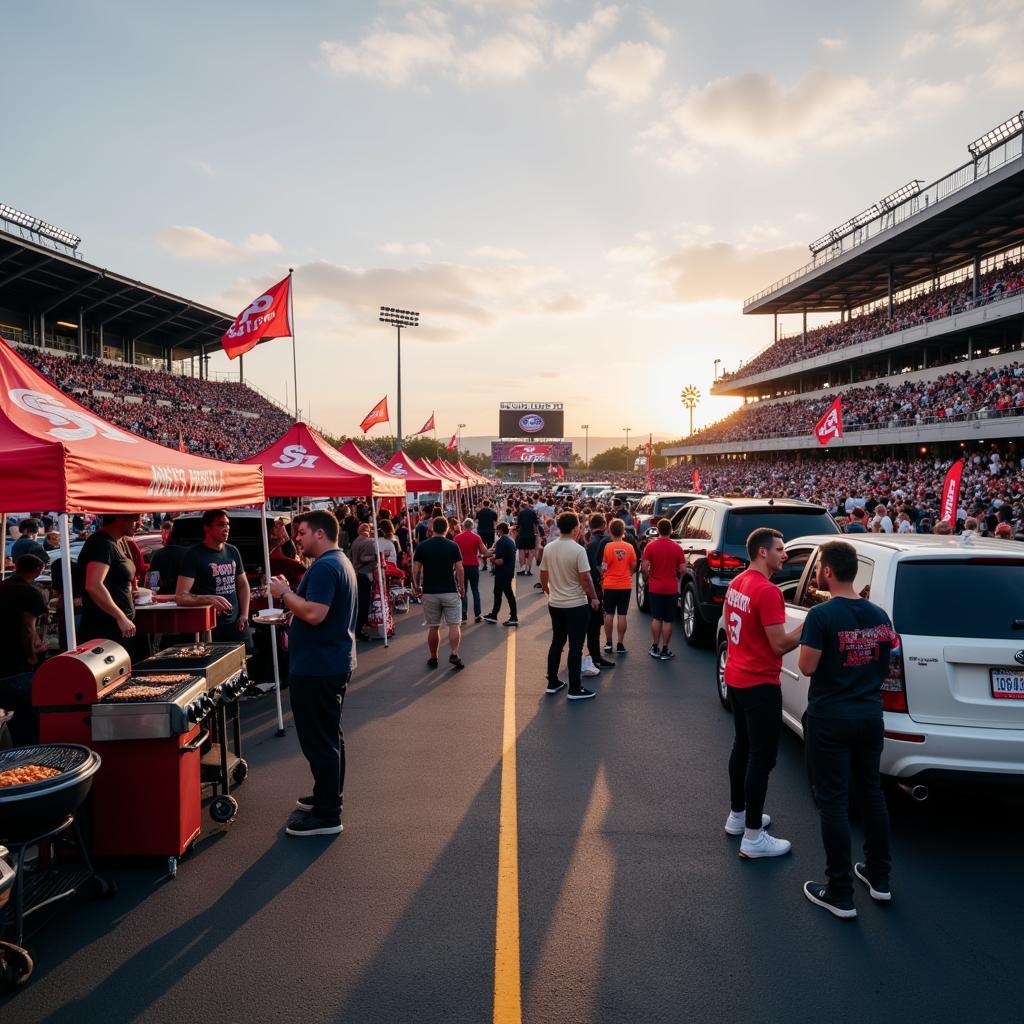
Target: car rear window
[(740, 524), (978, 597), (666, 506)]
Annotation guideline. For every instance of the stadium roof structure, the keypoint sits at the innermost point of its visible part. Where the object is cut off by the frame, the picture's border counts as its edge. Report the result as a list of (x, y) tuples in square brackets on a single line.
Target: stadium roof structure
[(58, 284), (918, 232)]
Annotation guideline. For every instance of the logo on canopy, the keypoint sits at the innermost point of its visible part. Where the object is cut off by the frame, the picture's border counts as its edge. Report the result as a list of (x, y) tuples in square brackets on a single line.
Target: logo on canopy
[(294, 456), (70, 424), (399, 469)]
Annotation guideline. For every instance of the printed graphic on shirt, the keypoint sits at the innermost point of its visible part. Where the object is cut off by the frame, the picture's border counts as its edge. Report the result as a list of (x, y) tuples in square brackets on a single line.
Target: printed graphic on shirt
[(223, 577), (863, 646)]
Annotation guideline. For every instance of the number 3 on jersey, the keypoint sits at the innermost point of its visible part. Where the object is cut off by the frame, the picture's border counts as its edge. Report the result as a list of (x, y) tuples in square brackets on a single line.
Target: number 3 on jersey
[(735, 625)]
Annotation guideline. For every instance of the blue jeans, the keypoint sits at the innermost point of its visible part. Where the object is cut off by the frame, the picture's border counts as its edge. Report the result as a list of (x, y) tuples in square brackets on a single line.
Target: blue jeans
[(472, 582)]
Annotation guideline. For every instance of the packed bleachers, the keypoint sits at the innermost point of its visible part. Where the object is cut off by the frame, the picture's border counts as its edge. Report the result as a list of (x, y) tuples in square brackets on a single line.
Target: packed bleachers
[(955, 298), (956, 395), (208, 414)]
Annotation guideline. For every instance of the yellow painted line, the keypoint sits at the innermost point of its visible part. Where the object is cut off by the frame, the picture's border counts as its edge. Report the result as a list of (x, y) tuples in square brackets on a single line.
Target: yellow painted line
[(507, 980)]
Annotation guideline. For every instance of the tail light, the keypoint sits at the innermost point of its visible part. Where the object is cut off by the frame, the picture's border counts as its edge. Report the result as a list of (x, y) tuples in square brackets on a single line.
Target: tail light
[(719, 560), (894, 688)]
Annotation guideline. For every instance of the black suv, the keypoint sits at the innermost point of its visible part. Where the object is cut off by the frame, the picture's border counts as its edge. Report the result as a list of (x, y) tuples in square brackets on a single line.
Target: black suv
[(713, 535), (658, 505), (246, 534)]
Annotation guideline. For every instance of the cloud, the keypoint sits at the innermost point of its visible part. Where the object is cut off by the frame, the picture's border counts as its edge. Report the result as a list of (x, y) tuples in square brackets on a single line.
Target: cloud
[(831, 43), (203, 167), (497, 252), (564, 304), (405, 248), (187, 242), (577, 42), (918, 43), (503, 57), (626, 74), (658, 29), (630, 254), (719, 270)]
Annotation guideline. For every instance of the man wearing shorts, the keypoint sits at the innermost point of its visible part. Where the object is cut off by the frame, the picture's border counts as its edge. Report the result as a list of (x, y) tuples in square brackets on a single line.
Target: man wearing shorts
[(437, 575), (619, 560), (526, 538), (662, 565)]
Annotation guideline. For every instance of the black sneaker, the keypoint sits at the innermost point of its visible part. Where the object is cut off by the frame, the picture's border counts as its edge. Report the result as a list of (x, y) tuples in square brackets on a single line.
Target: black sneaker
[(666, 654), (879, 891), (655, 651), (431, 662), (465, 618), (620, 649), (529, 572), (492, 619), (456, 662), (478, 618), (537, 586), (581, 694), (608, 648), (554, 685), (305, 803), (604, 663), (311, 825), (511, 622), (819, 895)]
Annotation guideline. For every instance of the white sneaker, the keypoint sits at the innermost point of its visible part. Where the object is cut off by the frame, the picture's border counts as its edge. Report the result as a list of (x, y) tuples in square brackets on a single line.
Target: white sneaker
[(589, 668), (764, 845), (737, 822)]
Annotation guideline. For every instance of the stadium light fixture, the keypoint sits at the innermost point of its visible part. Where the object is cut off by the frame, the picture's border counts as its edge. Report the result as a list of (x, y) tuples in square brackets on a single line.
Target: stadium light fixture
[(399, 318), (997, 136), (39, 227), (690, 397), (905, 192)]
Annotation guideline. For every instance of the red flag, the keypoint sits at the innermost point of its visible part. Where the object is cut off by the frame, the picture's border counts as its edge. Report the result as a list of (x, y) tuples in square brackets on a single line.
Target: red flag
[(951, 492), (696, 480), (830, 426), (450, 447), (265, 317), (427, 427), (181, 442), (378, 414), (561, 471)]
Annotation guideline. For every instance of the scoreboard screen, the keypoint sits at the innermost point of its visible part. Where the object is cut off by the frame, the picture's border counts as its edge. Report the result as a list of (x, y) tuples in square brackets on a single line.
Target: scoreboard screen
[(552, 451), (531, 419)]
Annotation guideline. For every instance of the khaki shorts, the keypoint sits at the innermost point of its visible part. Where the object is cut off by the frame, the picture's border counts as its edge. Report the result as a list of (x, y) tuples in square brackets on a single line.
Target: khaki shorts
[(442, 606)]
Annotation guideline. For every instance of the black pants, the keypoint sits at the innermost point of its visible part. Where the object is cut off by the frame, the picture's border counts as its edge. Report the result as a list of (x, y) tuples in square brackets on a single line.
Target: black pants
[(757, 716), (844, 752), (472, 583), (594, 626), (503, 588), (568, 624), (316, 708), (365, 585)]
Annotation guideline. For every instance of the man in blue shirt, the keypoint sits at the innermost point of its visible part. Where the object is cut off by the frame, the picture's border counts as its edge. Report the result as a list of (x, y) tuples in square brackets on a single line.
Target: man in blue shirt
[(321, 661), (504, 555)]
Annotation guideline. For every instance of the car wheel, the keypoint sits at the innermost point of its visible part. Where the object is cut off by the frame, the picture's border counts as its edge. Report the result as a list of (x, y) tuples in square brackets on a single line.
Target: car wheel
[(695, 630), (641, 593), (723, 690)]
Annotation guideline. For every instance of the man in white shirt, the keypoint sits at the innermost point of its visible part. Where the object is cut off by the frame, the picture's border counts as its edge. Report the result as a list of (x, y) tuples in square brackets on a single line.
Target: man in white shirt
[(565, 579)]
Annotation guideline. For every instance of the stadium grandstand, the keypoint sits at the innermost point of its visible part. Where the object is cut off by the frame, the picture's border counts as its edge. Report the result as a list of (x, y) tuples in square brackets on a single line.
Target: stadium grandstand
[(925, 291), (134, 354)]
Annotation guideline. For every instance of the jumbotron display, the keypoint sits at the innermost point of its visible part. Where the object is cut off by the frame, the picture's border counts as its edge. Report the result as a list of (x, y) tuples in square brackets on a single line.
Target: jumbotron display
[(531, 419), (555, 452)]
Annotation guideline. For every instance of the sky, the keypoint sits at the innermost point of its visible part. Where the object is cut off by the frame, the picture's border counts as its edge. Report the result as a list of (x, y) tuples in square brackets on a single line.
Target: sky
[(576, 197)]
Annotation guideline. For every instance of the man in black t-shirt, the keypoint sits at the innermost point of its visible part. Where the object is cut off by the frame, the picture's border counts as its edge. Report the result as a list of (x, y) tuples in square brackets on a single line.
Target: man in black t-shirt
[(21, 648), (437, 575), (212, 573), (845, 651), (486, 518), (526, 538)]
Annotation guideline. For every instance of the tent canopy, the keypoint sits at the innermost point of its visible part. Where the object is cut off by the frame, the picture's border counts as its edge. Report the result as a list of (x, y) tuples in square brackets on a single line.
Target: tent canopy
[(417, 478), (57, 456), (471, 475), (300, 462), (446, 470)]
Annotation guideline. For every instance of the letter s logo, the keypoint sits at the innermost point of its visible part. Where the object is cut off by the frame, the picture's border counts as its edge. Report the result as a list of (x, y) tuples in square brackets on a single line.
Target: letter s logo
[(294, 456), (70, 424)]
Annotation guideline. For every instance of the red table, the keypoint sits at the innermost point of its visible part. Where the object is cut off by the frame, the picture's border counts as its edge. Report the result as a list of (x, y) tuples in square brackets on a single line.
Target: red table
[(167, 617)]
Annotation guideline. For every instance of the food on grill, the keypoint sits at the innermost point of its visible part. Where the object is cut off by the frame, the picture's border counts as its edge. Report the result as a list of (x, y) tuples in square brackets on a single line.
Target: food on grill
[(27, 773), (193, 651), (139, 692), (167, 680)]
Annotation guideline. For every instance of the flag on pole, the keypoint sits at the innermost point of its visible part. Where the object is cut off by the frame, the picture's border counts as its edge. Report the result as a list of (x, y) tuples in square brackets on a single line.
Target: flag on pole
[(427, 427), (181, 442), (696, 480), (265, 317), (451, 446), (951, 492), (561, 471), (830, 426), (650, 456), (378, 414)]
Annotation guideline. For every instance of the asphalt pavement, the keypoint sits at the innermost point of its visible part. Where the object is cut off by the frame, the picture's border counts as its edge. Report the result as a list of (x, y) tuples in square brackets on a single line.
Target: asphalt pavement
[(633, 903)]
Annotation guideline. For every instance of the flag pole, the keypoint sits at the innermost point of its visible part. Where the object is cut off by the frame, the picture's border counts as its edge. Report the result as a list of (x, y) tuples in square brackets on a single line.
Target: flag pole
[(291, 324)]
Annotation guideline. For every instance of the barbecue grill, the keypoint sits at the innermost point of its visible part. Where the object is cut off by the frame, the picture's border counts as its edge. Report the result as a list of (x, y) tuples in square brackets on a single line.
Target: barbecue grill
[(141, 709), (35, 807)]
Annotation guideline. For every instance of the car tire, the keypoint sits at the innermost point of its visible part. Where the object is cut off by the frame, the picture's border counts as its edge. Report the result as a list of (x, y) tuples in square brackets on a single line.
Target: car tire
[(696, 631), (641, 593), (723, 690)]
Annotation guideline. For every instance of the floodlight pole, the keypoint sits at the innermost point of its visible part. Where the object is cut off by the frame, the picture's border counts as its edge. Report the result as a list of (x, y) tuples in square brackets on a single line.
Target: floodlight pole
[(586, 443), (399, 318), (295, 360), (399, 329), (627, 430)]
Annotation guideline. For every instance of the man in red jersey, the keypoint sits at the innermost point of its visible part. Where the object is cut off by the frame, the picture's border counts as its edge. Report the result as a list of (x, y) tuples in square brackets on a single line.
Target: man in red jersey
[(662, 565), (755, 623)]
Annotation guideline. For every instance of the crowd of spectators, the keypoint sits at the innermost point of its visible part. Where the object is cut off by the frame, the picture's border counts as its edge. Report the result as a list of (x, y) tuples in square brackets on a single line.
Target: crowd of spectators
[(220, 419), (933, 305), (955, 395)]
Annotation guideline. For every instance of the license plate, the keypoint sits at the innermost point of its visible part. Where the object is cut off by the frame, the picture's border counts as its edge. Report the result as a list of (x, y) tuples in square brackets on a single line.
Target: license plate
[(1007, 683)]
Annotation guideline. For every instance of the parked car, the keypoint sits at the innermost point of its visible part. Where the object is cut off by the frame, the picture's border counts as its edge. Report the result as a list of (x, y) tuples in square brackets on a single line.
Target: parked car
[(246, 534), (652, 507), (953, 702), (713, 535)]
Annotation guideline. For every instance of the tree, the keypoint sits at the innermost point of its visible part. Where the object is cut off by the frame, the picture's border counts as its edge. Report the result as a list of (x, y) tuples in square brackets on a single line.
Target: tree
[(615, 459)]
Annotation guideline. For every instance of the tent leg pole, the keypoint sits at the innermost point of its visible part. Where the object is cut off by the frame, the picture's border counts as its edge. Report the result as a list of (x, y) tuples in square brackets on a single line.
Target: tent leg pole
[(3, 557), (273, 629), (69, 599), (379, 571)]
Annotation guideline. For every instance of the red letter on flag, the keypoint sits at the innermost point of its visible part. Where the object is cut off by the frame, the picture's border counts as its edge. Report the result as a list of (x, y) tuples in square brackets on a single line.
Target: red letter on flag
[(951, 492), (265, 317), (830, 426), (378, 414)]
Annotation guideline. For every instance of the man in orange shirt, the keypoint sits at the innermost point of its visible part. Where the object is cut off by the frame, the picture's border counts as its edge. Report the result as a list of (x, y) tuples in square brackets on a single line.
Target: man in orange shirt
[(619, 565)]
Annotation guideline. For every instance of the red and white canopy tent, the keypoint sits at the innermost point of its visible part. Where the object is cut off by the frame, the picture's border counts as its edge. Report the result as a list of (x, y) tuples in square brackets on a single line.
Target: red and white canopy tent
[(300, 462), (57, 456), (418, 477)]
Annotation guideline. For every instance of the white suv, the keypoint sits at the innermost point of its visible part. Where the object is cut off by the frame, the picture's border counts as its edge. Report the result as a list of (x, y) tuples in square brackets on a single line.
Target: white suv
[(954, 699)]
